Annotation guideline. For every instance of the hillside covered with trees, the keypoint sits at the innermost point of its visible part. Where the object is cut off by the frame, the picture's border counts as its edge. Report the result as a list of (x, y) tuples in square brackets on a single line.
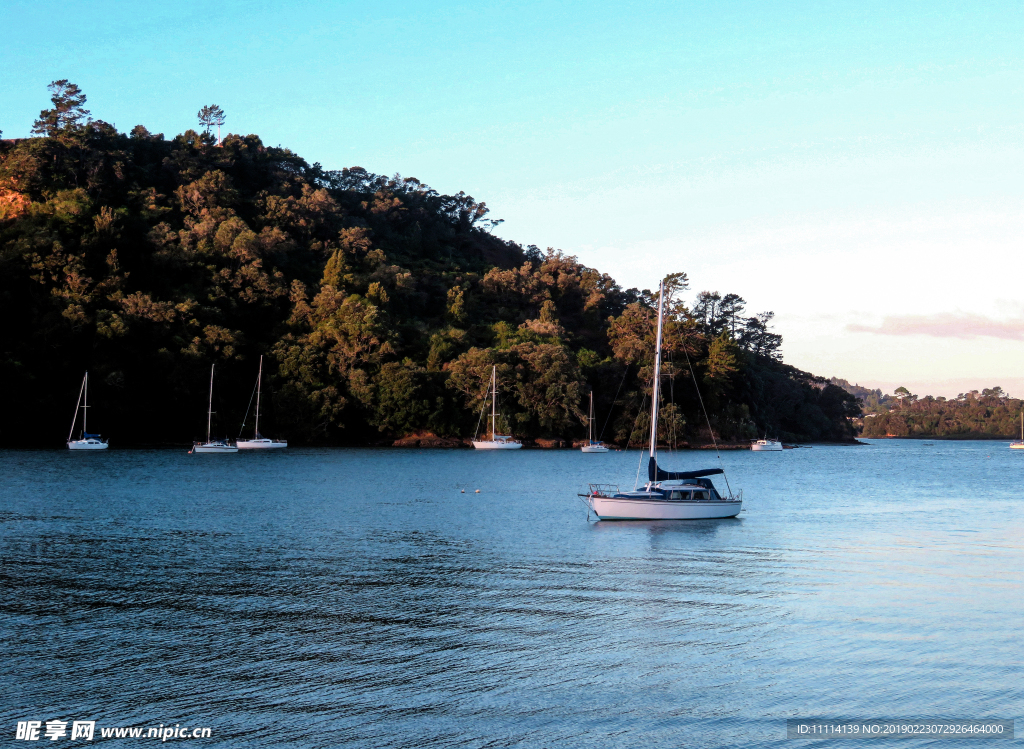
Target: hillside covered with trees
[(872, 400), (990, 414), (380, 305)]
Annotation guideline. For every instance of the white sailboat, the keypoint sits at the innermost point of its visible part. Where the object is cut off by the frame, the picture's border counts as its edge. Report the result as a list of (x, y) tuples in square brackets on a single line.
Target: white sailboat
[(667, 495), (86, 441), (593, 446), (765, 445), (212, 445), (497, 441), (1019, 445), (259, 442)]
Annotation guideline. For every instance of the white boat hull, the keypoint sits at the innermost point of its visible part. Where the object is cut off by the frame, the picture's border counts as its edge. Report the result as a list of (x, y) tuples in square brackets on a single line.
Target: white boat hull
[(489, 445), (769, 447), (609, 508), (1017, 445), (86, 445), (594, 449), (214, 449), (263, 444)]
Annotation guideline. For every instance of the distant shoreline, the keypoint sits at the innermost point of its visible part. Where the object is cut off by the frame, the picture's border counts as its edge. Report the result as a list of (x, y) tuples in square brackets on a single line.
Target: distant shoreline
[(447, 443), (970, 437)]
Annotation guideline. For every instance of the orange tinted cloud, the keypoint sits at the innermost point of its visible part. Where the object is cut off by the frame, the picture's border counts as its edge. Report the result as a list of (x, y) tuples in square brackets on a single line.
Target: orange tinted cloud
[(946, 325)]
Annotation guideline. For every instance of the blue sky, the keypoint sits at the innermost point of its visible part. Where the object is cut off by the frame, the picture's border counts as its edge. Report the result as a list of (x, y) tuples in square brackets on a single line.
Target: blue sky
[(855, 167)]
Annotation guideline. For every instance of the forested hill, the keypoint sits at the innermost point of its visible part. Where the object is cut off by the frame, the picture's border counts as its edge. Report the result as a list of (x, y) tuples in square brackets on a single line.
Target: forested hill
[(380, 306), (990, 414)]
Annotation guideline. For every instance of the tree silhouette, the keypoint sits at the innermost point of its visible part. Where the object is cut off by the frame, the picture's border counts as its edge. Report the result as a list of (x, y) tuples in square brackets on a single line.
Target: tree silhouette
[(733, 306), (211, 115), (67, 114)]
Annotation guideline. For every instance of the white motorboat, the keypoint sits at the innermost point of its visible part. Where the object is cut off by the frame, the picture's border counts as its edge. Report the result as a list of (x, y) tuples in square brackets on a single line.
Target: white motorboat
[(259, 442), (593, 446), (765, 445), (667, 495), (1019, 445), (86, 441), (212, 445), (497, 441)]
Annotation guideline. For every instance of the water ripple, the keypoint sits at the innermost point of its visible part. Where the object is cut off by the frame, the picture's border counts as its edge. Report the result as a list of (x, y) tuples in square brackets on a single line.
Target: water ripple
[(303, 600)]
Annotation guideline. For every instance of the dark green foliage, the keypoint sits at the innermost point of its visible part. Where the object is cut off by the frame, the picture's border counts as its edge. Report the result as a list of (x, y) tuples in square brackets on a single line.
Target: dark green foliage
[(988, 414), (381, 305)]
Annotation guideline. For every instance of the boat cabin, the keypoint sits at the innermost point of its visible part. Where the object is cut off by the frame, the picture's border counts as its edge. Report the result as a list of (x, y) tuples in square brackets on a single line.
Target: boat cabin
[(690, 490)]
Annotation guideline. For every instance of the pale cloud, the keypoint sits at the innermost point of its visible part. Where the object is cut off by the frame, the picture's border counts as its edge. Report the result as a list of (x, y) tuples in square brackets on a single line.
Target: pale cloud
[(962, 325)]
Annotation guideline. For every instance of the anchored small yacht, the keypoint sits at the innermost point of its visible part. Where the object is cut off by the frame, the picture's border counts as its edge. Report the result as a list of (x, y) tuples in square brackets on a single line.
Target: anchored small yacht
[(1019, 445), (86, 441), (212, 445), (497, 441), (765, 445), (667, 495), (259, 442), (593, 446)]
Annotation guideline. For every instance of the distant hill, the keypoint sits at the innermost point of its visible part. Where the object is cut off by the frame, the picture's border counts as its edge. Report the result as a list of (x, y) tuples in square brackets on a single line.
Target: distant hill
[(990, 414), (873, 401)]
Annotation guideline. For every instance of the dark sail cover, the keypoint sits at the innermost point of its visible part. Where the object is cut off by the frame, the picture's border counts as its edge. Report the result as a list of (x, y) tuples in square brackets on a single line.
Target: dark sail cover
[(656, 474)]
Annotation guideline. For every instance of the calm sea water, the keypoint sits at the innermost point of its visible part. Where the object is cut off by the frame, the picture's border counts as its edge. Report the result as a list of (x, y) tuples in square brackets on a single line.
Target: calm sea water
[(321, 598)]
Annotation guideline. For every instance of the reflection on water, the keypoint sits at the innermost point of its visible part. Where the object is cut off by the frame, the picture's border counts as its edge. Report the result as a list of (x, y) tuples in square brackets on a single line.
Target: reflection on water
[(691, 528), (345, 597)]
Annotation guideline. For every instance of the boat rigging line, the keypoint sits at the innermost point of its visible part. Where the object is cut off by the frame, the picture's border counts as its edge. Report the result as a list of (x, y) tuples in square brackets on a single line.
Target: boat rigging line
[(483, 406), (672, 401), (636, 421), (707, 418), (251, 397), (608, 418), (78, 407)]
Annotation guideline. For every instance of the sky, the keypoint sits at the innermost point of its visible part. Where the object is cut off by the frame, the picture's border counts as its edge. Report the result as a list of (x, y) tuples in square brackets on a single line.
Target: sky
[(854, 167)]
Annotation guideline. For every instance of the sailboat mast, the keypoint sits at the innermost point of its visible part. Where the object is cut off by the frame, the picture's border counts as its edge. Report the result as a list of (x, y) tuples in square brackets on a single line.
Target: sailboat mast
[(209, 410), (494, 399), (78, 405), (85, 406), (657, 375), (591, 418), (259, 384)]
